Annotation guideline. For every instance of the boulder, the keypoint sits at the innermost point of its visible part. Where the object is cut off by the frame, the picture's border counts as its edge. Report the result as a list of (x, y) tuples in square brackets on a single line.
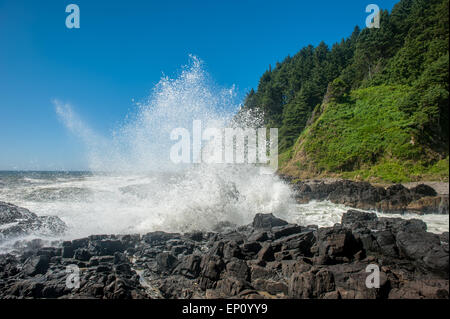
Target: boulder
[(286, 230), (335, 242), (267, 221), (425, 249), (36, 265), (166, 262), (82, 254), (311, 284)]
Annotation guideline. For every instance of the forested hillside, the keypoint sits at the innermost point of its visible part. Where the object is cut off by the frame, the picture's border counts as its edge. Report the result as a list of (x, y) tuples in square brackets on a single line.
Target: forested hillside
[(374, 106)]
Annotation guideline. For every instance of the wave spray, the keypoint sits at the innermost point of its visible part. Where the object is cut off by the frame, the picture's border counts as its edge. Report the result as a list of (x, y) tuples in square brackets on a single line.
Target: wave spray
[(135, 187)]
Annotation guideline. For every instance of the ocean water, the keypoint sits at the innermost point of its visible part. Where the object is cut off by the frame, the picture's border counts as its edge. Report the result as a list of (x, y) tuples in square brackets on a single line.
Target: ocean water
[(197, 199), (141, 190), (113, 203)]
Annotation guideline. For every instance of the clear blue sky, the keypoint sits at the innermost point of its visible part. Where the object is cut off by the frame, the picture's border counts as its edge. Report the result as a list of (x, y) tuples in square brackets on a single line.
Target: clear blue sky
[(123, 47)]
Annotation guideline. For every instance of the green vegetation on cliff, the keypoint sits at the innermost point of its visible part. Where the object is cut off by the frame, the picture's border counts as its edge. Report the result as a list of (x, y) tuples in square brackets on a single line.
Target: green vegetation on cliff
[(374, 107)]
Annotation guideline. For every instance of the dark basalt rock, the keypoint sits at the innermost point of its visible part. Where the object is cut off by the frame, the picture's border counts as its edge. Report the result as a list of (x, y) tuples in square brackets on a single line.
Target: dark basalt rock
[(274, 260), (311, 284), (298, 243), (282, 231), (159, 236), (237, 268), (266, 253), (423, 190), (189, 266), (267, 221), (166, 262), (36, 265), (335, 245), (425, 249), (251, 248), (82, 254), (421, 199), (105, 247)]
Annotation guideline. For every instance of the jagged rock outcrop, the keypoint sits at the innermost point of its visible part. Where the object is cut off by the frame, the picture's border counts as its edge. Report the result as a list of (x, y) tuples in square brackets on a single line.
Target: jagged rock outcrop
[(17, 222), (421, 199), (275, 259)]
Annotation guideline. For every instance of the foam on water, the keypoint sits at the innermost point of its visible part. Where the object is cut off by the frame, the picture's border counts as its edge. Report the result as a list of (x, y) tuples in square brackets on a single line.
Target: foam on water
[(196, 199)]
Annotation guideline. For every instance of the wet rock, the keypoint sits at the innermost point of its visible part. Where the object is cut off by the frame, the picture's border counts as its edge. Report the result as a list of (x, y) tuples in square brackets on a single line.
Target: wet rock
[(36, 265), (189, 266), (386, 243), (425, 249), (355, 219), (212, 267), (31, 288), (159, 236), (443, 205), (430, 289), (9, 266), (311, 284), (120, 258), (178, 287), (444, 237), (123, 268), (258, 272), (423, 190), (359, 221), (290, 267), (48, 251), (251, 248), (267, 221), (106, 247), (429, 204), (224, 227), (276, 261), (259, 236), (238, 269), (80, 243), (67, 250), (282, 231), (335, 242), (17, 222), (266, 253), (301, 243), (421, 199), (82, 254), (166, 262), (196, 236), (231, 286), (232, 250)]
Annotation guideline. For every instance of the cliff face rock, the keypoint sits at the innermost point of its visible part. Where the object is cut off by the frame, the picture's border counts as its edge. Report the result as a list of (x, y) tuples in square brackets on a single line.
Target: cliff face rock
[(421, 199), (267, 259), (17, 222)]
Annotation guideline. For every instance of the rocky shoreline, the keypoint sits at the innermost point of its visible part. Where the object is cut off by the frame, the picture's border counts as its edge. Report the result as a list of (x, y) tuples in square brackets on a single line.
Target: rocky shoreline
[(398, 199), (266, 259)]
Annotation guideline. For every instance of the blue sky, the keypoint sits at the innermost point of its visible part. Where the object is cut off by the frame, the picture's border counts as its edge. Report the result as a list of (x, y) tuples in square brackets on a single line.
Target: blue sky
[(121, 51)]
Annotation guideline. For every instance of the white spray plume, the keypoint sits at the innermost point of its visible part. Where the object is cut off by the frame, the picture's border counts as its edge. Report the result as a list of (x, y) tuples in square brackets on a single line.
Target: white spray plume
[(130, 199)]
